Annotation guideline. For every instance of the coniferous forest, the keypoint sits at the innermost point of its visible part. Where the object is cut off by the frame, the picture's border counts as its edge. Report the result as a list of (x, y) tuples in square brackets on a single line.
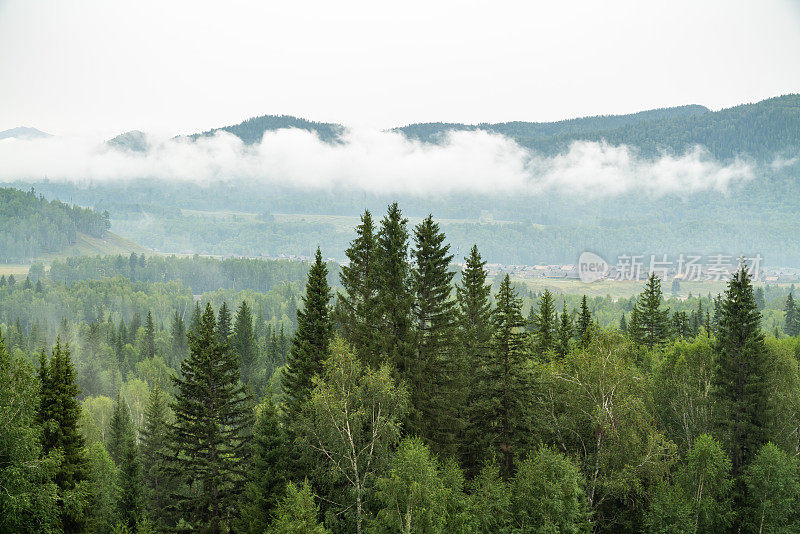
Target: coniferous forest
[(391, 394)]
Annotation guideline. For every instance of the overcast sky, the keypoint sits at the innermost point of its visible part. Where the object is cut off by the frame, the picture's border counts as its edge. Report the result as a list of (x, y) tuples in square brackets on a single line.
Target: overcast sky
[(169, 66)]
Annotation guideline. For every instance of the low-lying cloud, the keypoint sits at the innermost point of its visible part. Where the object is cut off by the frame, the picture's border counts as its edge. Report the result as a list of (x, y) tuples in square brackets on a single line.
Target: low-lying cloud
[(375, 161)]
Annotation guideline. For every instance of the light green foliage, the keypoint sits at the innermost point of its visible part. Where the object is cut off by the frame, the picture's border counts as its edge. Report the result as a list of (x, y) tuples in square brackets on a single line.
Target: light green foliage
[(699, 497), (297, 513), (773, 492), (352, 419), (411, 494), (547, 495)]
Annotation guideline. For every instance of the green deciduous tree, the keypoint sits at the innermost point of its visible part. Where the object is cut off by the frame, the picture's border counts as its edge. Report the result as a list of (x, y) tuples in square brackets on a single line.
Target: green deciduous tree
[(352, 419), (773, 491)]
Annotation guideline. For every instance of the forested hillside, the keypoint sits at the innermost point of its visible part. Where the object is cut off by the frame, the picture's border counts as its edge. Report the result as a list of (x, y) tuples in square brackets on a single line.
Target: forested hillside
[(252, 130), (31, 226), (411, 398), (760, 130)]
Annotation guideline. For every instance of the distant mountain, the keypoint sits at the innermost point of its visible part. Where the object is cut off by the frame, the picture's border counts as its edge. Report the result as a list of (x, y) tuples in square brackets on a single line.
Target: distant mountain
[(23, 132), (252, 130), (134, 140), (759, 130)]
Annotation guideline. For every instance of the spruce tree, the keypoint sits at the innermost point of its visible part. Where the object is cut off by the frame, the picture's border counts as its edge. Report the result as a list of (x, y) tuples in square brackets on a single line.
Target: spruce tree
[(210, 437), (158, 485), (475, 335), (584, 326), (564, 332), (244, 341), (544, 327), (197, 314), (434, 416), (133, 331), (224, 324), (394, 291), (623, 325), (649, 322), (268, 472), (59, 414), (129, 477), (119, 430), (791, 319), (311, 340), (178, 339), (504, 384), (740, 375), (359, 315), (149, 336)]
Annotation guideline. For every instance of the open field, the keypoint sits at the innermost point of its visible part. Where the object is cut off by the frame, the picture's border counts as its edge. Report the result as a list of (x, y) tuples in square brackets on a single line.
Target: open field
[(617, 290), (86, 245), (348, 222)]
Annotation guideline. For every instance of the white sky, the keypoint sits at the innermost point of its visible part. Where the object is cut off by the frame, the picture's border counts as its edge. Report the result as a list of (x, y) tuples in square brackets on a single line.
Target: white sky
[(170, 66)]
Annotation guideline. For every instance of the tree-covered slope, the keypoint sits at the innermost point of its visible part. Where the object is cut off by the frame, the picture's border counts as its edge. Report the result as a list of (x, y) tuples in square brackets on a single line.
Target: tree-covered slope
[(760, 130), (252, 130), (31, 226)]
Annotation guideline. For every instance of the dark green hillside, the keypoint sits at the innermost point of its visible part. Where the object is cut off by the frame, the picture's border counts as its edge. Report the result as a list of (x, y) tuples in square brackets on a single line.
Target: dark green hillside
[(252, 130), (31, 226), (760, 130)]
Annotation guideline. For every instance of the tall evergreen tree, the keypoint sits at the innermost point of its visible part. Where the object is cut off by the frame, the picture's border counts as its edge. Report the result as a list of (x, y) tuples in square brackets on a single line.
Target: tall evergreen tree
[(504, 383), (210, 437), (544, 325), (178, 339), (311, 340), (59, 414), (268, 472), (791, 318), (197, 314), (149, 349), (158, 485), (649, 322), (434, 416), (244, 341), (224, 323), (475, 335), (394, 291), (360, 319), (129, 477), (564, 332), (120, 429), (133, 331), (584, 326), (740, 376)]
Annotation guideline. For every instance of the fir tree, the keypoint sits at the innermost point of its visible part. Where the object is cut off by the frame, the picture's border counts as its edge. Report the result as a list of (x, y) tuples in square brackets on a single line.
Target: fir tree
[(120, 429), (267, 474), (197, 314), (149, 337), (394, 293), (311, 340), (133, 331), (623, 325), (158, 486), (224, 324), (791, 319), (129, 480), (59, 414), (244, 341), (564, 333), (504, 383), (359, 318), (434, 415), (649, 322), (740, 376), (178, 338), (584, 324), (210, 435), (475, 334), (544, 327)]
